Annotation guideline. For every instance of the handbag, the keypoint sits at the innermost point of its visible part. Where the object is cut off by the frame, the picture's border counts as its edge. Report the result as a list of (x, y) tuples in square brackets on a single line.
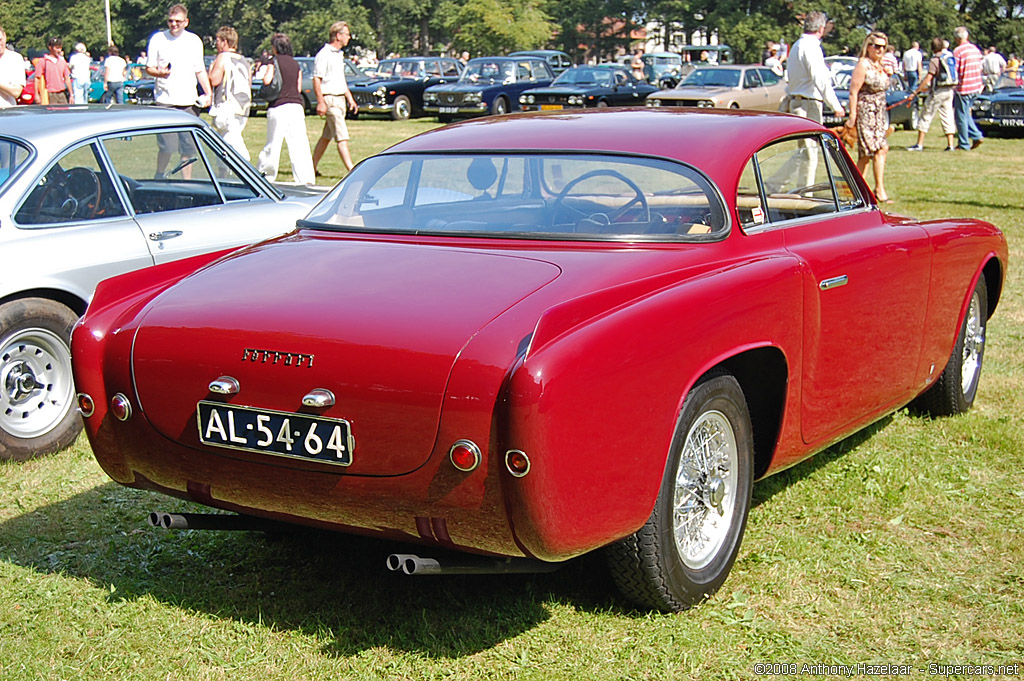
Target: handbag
[(272, 90)]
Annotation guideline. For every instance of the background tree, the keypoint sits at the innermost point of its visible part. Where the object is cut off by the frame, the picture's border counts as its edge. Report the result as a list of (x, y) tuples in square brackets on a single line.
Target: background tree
[(496, 26)]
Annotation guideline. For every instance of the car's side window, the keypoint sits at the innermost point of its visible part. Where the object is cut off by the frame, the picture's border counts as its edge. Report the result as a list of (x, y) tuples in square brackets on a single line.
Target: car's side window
[(768, 77), (75, 188), (795, 180), (749, 204), (846, 189), (449, 68), (433, 68), (12, 156), (523, 70), (162, 171), (751, 79), (232, 185)]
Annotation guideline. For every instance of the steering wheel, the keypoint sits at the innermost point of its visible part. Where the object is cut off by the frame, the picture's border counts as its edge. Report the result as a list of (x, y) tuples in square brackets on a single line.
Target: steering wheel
[(79, 194), (605, 218)]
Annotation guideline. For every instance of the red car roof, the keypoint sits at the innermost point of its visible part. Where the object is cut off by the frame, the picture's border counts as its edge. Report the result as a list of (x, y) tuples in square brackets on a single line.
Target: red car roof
[(717, 142)]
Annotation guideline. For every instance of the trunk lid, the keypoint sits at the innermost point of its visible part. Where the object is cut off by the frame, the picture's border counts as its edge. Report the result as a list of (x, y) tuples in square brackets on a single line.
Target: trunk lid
[(378, 324)]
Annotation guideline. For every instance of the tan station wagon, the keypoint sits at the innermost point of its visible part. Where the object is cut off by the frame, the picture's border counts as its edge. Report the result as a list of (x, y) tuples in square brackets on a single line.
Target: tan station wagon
[(735, 86)]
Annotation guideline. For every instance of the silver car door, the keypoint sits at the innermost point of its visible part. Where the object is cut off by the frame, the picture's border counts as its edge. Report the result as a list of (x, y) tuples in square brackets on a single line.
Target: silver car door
[(189, 199), (71, 228)]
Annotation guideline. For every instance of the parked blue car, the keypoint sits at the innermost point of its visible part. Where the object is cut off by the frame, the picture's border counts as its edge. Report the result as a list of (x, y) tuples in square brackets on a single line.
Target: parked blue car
[(1003, 108), (489, 85)]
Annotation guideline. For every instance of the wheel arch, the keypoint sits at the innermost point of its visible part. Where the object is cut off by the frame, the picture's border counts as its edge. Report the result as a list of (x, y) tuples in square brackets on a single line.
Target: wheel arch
[(70, 300), (763, 375), (993, 271)]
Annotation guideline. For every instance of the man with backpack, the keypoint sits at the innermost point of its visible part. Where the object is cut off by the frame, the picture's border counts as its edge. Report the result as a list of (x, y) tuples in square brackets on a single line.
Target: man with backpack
[(969, 86), (939, 82), (231, 79)]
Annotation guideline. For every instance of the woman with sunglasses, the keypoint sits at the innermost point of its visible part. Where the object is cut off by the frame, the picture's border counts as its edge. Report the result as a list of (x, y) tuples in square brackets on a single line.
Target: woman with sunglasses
[(867, 110)]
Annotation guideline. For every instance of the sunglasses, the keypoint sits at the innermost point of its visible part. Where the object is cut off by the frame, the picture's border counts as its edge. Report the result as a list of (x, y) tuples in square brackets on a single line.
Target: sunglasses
[(879, 46)]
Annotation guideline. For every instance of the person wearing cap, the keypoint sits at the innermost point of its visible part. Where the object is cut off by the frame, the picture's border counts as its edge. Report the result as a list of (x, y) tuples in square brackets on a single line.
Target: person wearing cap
[(810, 81), (53, 72)]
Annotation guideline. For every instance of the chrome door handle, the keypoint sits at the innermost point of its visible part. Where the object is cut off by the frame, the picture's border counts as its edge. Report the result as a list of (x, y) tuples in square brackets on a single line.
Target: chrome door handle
[(834, 282), (160, 236)]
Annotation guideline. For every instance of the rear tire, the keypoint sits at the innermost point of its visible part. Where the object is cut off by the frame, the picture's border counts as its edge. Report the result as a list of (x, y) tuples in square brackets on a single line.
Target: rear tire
[(684, 552), (957, 386), (499, 106), (37, 392)]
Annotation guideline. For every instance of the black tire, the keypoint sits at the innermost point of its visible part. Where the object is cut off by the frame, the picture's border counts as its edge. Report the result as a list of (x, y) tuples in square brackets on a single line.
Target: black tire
[(444, 118), (649, 566), (957, 386), (37, 402), (602, 104), (499, 106), (402, 110)]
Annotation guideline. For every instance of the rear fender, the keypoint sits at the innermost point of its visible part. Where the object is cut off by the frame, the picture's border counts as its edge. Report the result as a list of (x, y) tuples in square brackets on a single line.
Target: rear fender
[(595, 406)]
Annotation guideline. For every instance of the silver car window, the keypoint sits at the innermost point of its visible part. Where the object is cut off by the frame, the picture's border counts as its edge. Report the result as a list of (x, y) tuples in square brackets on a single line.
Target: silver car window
[(12, 156), (76, 188), (162, 171), (795, 181)]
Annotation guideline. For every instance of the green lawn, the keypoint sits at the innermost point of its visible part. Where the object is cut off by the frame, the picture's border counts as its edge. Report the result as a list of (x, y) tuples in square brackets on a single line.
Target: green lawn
[(902, 544)]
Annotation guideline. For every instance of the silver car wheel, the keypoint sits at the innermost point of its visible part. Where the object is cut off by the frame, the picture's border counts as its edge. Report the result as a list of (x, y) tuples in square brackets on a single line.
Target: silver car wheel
[(705, 490), (974, 343), (36, 381)]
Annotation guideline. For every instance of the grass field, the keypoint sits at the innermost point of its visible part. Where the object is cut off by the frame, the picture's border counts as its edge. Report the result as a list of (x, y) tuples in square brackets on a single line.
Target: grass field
[(903, 544)]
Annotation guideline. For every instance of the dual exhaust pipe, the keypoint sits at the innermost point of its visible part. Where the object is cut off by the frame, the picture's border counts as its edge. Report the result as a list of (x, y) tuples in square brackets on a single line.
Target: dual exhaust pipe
[(407, 563)]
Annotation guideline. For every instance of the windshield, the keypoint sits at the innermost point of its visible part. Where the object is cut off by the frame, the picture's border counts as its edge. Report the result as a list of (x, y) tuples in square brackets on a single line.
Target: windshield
[(488, 72), (12, 156), (602, 77), (712, 78), (1008, 81), (527, 196)]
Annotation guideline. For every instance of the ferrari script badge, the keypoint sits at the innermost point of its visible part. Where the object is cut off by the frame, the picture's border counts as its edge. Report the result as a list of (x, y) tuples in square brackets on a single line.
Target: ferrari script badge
[(273, 356)]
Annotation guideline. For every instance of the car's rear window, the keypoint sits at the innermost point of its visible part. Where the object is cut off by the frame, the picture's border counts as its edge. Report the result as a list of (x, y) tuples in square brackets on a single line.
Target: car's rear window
[(12, 156), (553, 196)]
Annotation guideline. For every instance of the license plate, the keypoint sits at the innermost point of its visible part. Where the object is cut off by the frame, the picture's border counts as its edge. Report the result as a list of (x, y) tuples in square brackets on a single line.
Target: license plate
[(1011, 122), (550, 107), (298, 436), (448, 109)]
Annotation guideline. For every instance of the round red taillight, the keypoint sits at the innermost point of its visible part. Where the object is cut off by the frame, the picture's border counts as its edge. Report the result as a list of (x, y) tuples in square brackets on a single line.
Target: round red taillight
[(517, 463), (86, 406), (464, 455), (121, 407)]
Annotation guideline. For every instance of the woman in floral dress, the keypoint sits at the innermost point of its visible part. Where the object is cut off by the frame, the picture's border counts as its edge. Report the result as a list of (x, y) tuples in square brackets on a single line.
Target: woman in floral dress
[(867, 110)]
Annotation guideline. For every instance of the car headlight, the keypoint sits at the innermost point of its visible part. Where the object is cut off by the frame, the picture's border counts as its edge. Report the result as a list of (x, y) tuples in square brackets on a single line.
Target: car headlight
[(705, 104), (429, 96), (982, 105), (653, 102), (527, 99), (575, 99), (473, 97)]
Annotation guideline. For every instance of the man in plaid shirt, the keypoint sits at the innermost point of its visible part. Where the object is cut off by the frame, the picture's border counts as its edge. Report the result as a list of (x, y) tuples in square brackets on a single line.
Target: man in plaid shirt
[(968, 71)]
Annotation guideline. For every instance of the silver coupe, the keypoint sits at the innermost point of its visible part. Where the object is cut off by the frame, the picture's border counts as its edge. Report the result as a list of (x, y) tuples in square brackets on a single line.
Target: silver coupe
[(89, 192)]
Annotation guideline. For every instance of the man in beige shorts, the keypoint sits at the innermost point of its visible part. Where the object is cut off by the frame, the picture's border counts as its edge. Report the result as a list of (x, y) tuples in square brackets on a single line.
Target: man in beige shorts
[(332, 92)]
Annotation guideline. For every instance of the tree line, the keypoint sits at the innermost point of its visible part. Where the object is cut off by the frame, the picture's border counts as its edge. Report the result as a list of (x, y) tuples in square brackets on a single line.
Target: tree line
[(586, 29)]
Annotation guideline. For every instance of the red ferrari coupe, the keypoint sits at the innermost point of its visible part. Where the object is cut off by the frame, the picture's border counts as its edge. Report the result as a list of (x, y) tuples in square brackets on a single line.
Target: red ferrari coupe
[(532, 337)]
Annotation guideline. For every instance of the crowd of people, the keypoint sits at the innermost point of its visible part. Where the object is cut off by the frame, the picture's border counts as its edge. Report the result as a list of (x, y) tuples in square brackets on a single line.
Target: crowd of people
[(174, 59), (952, 80)]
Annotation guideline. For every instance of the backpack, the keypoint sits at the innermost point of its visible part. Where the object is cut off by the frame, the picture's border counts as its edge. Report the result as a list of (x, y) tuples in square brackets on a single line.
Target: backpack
[(947, 69)]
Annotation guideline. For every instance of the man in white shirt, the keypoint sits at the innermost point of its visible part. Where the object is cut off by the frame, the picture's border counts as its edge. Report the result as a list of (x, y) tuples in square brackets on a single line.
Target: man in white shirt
[(810, 81), (332, 93), (12, 73), (992, 66), (80, 75), (913, 60), (175, 59)]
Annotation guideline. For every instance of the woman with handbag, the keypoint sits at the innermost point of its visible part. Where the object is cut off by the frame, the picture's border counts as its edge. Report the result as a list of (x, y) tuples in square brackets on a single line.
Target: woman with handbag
[(286, 116)]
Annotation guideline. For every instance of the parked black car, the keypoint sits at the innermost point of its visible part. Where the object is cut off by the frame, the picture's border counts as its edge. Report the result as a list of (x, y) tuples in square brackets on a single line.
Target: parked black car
[(397, 89), (1003, 108), (588, 87), (489, 85), (905, 110)]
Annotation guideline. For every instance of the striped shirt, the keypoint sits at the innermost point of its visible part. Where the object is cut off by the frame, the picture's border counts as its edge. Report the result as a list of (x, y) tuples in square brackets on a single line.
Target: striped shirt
[(968, 69)]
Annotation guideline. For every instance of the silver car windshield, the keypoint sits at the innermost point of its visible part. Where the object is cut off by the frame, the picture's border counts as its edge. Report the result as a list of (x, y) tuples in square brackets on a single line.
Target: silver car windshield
[(530, 196), (712, 78), (12, 156)]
